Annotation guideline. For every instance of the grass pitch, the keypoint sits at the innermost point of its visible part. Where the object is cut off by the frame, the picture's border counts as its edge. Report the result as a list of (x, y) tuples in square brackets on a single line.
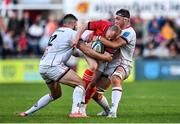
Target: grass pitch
[(148, 102)]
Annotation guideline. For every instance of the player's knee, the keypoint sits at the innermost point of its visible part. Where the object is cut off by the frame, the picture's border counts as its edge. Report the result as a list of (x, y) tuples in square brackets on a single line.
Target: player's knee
[(56, 96), (116, 81), (93, 66), (97, 96)]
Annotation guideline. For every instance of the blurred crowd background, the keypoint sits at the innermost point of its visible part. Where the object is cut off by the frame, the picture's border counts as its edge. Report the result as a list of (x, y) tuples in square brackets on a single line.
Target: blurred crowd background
[(27, 35)]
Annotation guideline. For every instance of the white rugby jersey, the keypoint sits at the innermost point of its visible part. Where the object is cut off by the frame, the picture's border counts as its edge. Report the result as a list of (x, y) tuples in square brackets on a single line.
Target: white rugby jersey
[(59, 49), (125, 54)]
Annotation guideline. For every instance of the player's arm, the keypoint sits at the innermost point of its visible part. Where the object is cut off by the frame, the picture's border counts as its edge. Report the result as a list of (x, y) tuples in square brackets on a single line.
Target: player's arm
[(79, 33), (92, 25), (91, 53), (113, 44)]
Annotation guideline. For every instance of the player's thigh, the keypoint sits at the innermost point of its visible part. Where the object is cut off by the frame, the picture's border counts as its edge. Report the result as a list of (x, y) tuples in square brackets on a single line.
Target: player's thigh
[(71, 79), (96, 78), (93, 65), (53, 73), (61, 74), (122, 71), (118, 76)]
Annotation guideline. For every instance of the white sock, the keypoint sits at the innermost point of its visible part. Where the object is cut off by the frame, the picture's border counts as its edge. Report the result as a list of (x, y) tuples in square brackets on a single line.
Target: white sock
[(116, 97), (83, 109), (78, 96), (104, 103), (43, 101)]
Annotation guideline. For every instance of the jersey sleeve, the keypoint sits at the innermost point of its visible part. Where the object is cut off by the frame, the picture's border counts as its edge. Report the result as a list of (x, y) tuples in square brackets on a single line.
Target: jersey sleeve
[(99, 24), (99, 27), (94, 25), (126, 35), (87, 35), (74, 34)]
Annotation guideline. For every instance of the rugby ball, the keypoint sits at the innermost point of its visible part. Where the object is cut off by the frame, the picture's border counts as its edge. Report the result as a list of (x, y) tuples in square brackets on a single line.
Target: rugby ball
[(97, 46)]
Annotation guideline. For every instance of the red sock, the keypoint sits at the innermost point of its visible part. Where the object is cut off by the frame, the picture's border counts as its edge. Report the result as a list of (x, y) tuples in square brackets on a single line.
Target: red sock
[(89, 93), (87, 77)]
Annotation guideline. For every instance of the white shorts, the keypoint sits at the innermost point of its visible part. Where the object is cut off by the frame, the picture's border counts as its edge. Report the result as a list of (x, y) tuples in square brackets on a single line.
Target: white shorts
[(53, 73), (111, 69)]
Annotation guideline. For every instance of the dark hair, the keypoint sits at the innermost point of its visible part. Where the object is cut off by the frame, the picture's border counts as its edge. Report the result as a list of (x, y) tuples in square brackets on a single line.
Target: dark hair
[(69, 18), (123, 13)]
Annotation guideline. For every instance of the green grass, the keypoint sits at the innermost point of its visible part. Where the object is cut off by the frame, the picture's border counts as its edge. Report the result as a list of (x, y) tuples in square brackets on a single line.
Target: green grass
[(141, 102)]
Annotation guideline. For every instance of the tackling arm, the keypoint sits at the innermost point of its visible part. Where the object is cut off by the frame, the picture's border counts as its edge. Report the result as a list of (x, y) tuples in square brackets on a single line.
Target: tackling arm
[(91, 53), (79, 33), (113, 44)]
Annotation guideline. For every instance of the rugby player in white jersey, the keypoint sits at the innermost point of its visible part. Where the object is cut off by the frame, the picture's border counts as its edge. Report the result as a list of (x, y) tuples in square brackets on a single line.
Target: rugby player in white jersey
[(119, 68), (54, 70)]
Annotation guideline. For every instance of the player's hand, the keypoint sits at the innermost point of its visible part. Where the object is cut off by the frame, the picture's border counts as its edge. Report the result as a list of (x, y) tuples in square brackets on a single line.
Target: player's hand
[(97, 38), (94, 38), (74, 43), (109, 56)]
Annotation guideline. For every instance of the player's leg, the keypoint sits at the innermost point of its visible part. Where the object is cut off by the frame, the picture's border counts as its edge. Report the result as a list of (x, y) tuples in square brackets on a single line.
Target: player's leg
[(116, 80), (87, 78), (54, 87), (88, 73), (89, 92), (91, 88), (99, 97), (52, 76), (72, 79), (46, 99)]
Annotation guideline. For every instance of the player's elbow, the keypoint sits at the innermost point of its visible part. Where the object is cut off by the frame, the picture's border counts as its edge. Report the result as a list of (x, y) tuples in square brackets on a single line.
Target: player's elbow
[(114, 46), (93, 66)]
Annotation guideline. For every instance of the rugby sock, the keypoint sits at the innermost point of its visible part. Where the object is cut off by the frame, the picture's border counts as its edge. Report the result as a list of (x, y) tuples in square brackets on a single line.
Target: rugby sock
[(43, 101), (83, 108), (104, 103), (116, 97), (89, 93), (78, 96), (87, 77)]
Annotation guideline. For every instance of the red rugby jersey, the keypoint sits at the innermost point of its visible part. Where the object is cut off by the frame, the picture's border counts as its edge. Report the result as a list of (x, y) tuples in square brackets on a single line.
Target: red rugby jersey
[(100, 27)]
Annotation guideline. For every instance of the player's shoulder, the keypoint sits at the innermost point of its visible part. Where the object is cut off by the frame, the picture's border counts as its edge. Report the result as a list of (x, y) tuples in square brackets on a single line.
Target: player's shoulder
[(68, 32), (129, 31), (65, 29), (101, 21)]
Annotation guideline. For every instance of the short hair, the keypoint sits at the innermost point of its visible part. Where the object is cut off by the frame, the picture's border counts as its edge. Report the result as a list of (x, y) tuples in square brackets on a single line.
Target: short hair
[(124, 13), (69, 18), (114, 28)]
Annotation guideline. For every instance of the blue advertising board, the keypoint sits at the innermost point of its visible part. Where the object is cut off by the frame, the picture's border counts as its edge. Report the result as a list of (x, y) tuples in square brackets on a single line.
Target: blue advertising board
[(157, 69)]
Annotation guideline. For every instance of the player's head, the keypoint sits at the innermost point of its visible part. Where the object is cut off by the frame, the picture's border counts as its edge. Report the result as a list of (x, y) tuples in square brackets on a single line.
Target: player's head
[(70, 21), (112, 32), (122, 18)]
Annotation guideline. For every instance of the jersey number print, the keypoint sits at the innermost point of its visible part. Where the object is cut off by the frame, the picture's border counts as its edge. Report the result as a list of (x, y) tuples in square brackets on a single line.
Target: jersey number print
[(51, 39)]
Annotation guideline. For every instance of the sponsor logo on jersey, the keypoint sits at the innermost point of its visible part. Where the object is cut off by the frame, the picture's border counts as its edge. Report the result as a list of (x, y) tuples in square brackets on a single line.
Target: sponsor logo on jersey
[(125, 34)]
